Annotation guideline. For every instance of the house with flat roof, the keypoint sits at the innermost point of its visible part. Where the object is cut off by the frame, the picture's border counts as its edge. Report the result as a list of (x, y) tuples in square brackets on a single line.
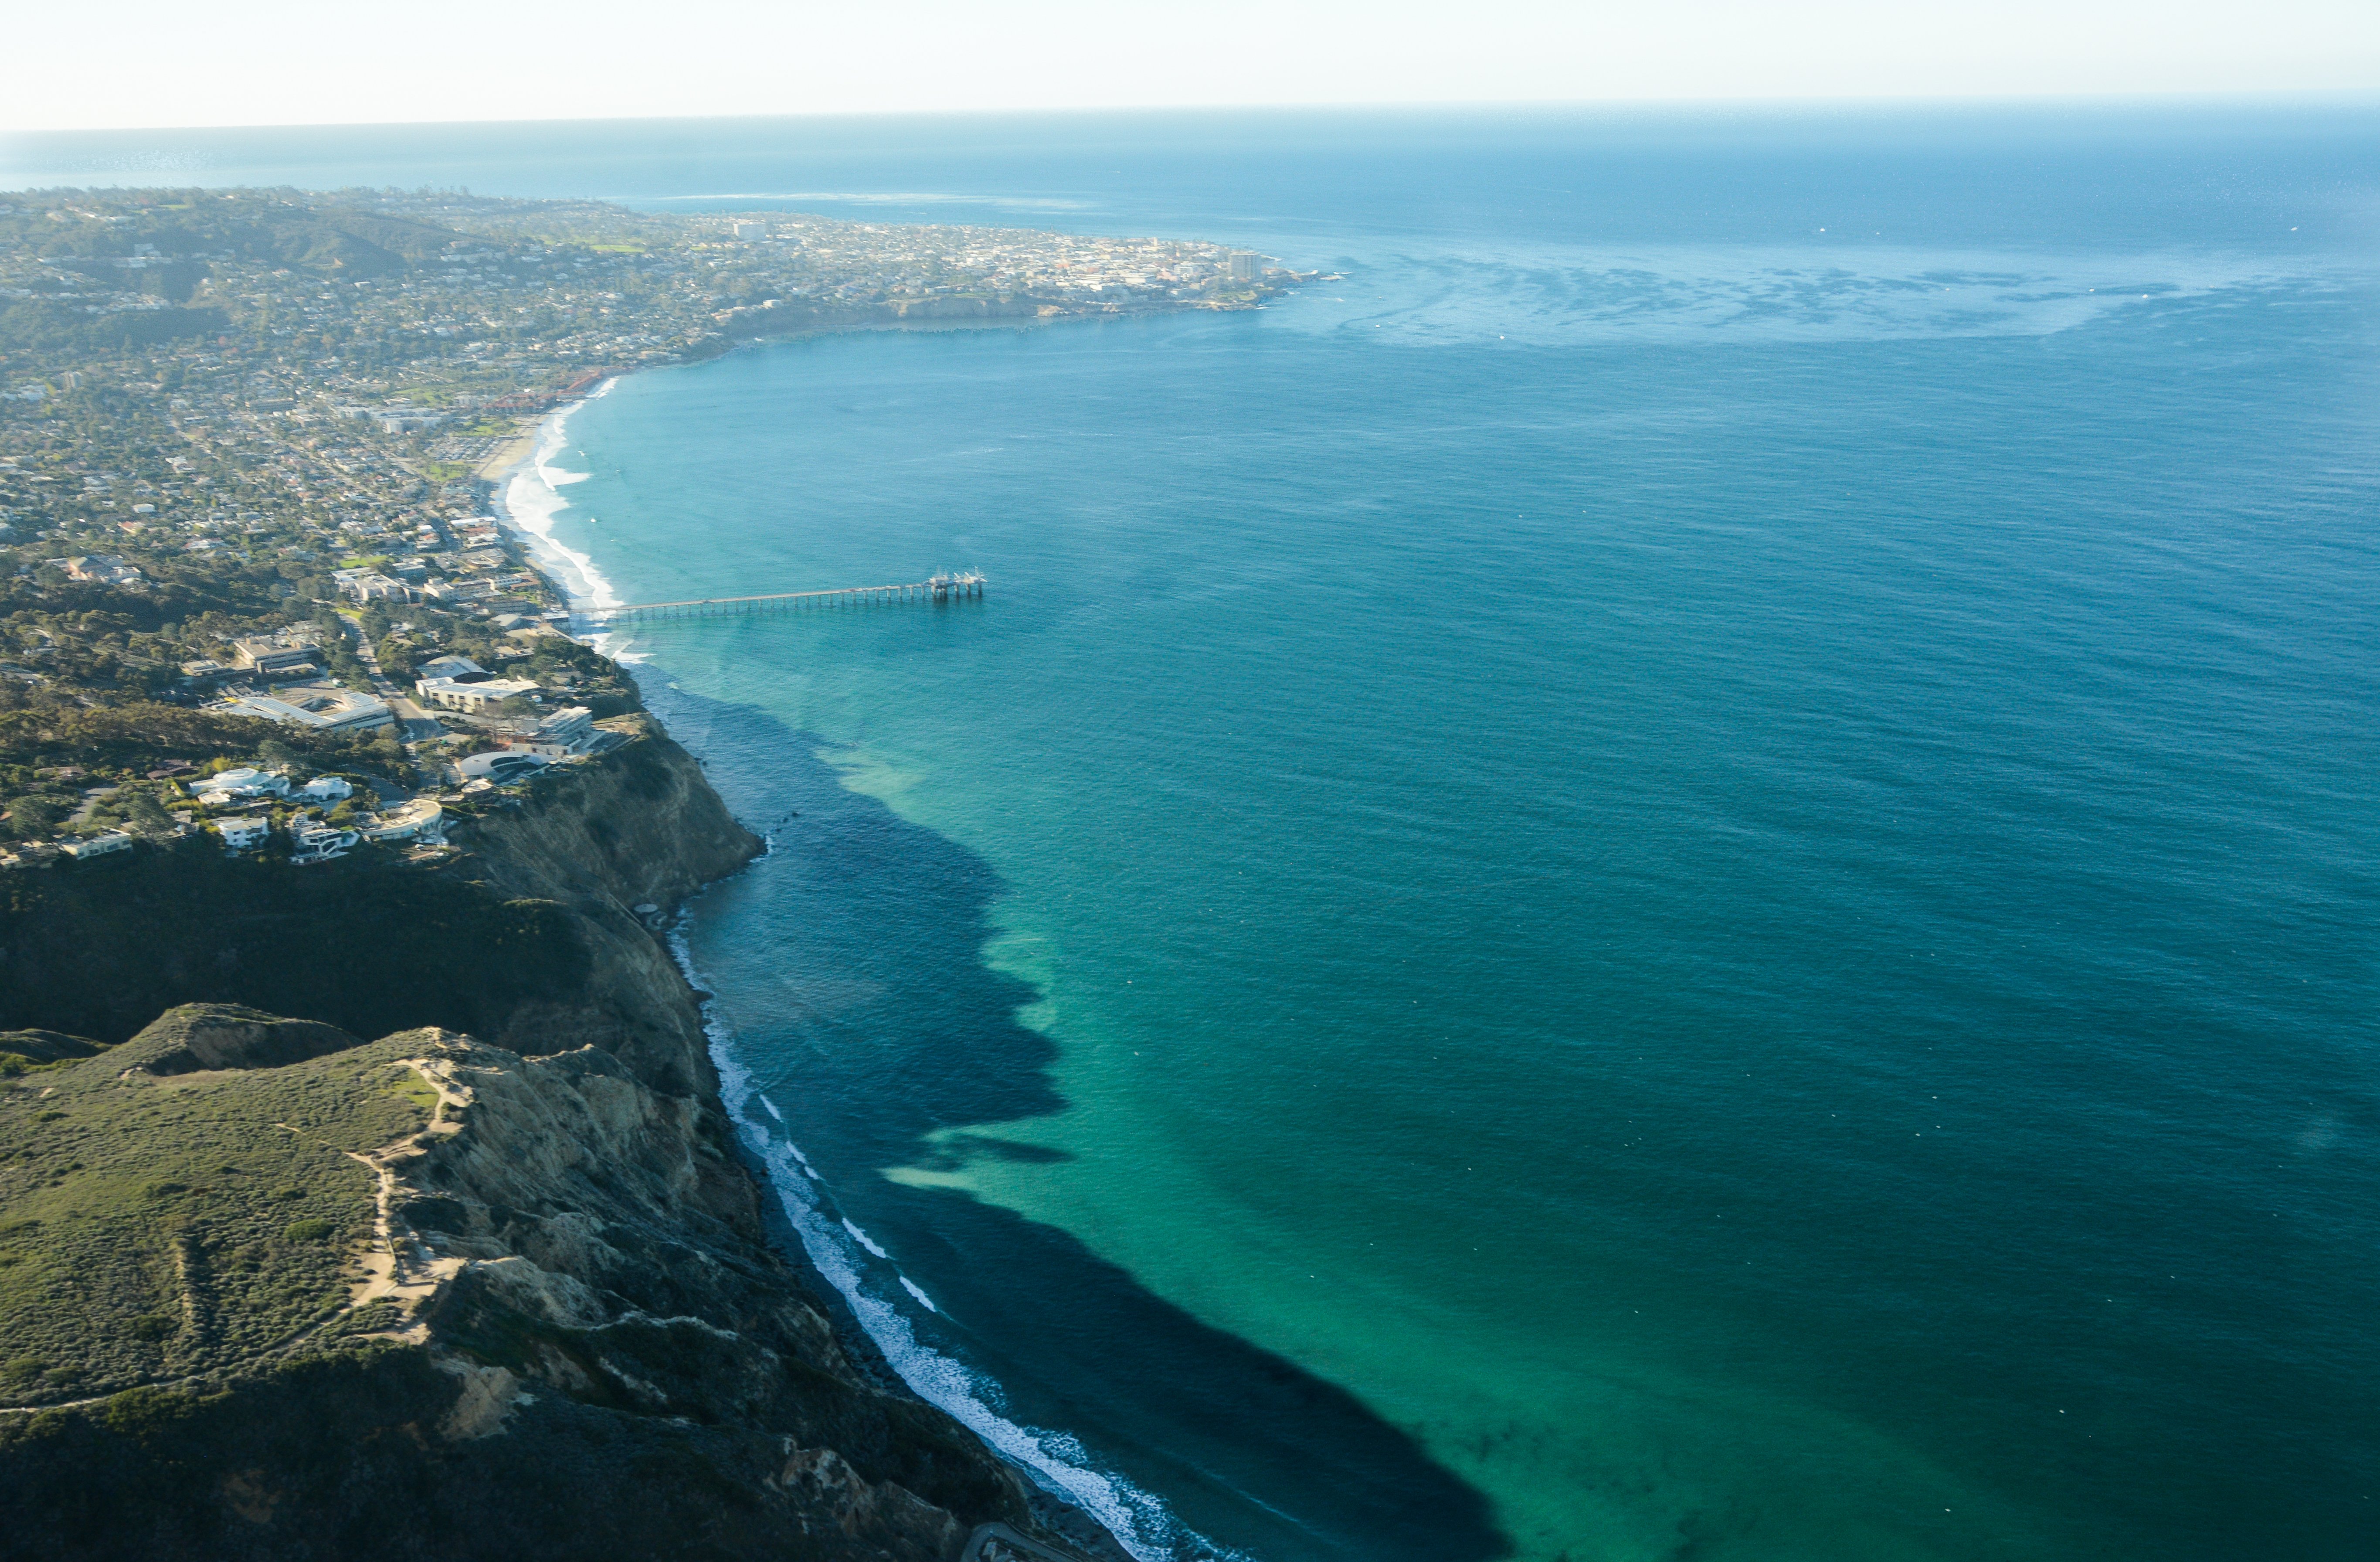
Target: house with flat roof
[(570, 730), (103, 567), (421, 819), (243, 834), (323, 708), (475, 697), (231, 786), (500, 765), (274, 654), (314, 841)]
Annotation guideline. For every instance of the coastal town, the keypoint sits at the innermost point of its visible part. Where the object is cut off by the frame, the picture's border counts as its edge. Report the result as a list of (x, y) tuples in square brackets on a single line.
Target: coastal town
[(253, 582)]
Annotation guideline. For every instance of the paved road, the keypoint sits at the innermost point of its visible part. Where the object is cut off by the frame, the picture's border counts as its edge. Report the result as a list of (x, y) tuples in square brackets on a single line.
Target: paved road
[(414, 723)]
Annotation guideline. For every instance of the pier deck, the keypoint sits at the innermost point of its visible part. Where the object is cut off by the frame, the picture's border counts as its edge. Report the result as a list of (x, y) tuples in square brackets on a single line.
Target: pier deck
[(940, 588)]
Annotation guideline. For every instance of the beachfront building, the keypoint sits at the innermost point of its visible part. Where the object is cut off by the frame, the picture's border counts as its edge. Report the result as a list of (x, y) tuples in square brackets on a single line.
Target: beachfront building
[(459, 591)]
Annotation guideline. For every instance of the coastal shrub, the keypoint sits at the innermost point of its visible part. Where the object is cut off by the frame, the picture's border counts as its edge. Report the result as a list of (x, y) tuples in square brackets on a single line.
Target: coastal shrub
[(145, 1205), (101, 953)]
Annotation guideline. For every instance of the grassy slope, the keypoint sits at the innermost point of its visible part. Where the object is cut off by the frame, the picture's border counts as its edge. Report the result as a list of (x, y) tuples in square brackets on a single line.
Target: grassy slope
[(151, 1228)]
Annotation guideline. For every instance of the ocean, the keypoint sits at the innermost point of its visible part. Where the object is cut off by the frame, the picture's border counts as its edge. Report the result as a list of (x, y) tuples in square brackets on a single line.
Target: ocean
[(1683, 868)]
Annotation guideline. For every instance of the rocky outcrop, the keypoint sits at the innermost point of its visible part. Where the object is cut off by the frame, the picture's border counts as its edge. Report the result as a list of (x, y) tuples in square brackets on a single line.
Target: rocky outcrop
[(603, 1256), (199, 1036)]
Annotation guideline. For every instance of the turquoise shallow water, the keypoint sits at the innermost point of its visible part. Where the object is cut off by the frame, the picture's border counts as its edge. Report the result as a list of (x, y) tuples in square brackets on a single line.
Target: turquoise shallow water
[(1644, 883)]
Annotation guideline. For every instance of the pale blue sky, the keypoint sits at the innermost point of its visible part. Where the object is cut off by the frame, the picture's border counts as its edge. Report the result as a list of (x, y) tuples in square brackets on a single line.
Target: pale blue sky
[(245, 62)]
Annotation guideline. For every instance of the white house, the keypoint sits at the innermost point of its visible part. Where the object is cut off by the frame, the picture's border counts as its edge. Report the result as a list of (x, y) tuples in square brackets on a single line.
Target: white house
[(245, 782), (327, 789), (421, 819), (570, 730), (318, 842), (243, 834), (500, 765), (370, 585), (99, 844)]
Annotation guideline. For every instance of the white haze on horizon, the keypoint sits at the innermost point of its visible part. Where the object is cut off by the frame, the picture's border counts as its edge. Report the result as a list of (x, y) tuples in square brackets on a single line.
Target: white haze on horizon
[(143, 64)]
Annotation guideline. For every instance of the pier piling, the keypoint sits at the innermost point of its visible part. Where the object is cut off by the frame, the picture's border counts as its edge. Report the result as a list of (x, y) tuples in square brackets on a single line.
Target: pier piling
[(943, 588)]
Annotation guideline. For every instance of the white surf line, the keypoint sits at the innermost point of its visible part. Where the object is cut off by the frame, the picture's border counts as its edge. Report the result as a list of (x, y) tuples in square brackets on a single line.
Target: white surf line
[(1138, 1520), (528, 502)]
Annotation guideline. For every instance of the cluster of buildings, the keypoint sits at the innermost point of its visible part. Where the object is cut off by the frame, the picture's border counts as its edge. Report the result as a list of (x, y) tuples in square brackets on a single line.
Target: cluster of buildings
[(240, 805), (313, 837)]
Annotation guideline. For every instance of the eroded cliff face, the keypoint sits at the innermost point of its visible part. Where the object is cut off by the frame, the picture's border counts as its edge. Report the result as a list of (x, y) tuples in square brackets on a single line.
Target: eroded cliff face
[(592, 1251), (639, 826)]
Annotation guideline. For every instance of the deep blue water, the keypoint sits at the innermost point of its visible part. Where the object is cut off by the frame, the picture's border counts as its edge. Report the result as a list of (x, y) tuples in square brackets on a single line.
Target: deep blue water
[(1644, 883)]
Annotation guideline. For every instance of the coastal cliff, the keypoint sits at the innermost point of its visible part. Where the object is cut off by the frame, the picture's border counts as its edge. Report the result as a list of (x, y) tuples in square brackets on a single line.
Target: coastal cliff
[(268, 1290), (640, 828)]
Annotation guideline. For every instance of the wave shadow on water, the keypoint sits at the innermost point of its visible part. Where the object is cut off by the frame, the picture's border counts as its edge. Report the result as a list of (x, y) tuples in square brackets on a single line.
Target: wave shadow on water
[(850, 966)]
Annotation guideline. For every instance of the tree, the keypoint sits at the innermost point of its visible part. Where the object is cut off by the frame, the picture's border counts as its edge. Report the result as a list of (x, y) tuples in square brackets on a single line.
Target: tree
[(145, 813), (33, 817)]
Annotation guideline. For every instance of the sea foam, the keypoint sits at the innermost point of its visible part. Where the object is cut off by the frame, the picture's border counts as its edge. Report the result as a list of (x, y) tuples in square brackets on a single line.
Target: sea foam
[(531, 501), (1055, 1460)]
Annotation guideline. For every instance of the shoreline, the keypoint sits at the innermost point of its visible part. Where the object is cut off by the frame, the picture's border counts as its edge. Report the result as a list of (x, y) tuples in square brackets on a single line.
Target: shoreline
[(780, 1171)]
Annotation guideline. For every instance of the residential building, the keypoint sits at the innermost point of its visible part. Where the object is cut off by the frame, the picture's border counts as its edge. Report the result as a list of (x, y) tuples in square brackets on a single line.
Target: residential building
[(230, 785), (99, 844), (243, 834), (421, 819), (500, 765), (314, 841), (103, 567)]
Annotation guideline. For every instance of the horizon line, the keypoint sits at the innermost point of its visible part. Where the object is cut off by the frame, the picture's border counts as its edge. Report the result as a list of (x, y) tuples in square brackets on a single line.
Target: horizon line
[(2268, 98)]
